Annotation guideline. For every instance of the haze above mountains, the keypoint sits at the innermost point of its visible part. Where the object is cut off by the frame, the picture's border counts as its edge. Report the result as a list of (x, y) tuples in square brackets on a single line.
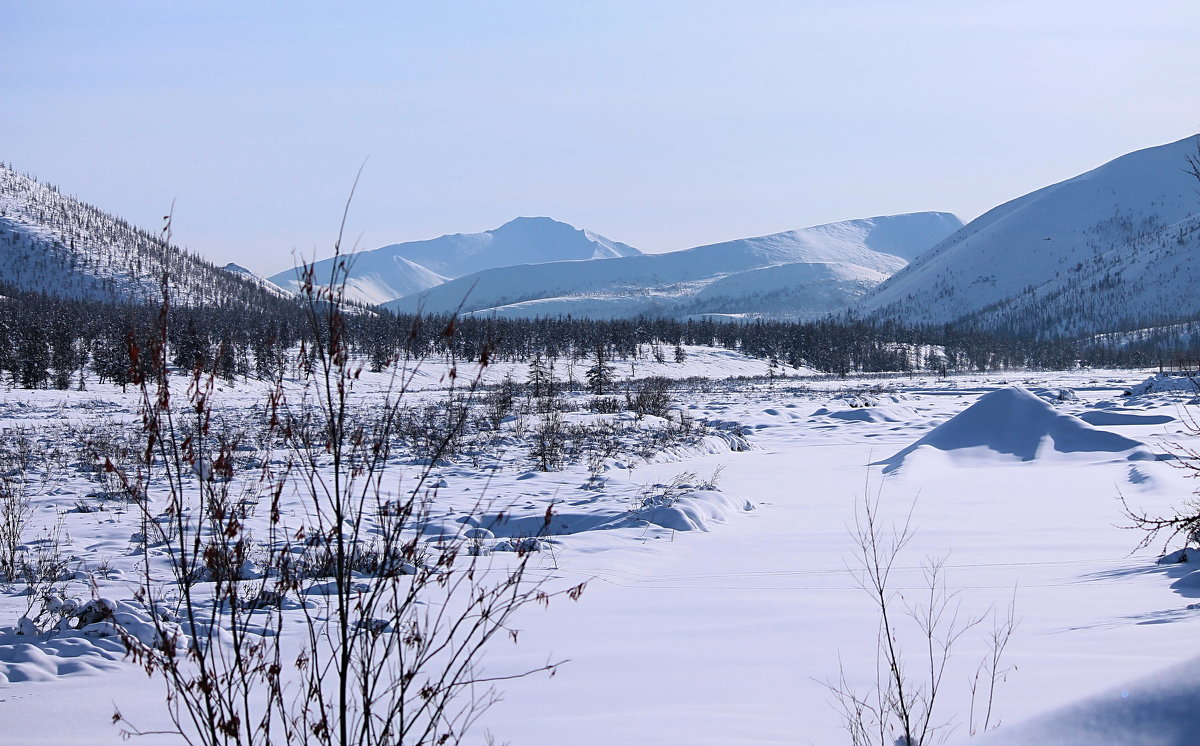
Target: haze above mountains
[(1112, 249)]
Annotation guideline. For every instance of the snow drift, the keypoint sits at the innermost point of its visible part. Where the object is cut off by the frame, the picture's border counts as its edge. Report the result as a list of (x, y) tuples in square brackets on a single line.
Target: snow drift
[(1162, 383), (1159, 710), (1014, 422)]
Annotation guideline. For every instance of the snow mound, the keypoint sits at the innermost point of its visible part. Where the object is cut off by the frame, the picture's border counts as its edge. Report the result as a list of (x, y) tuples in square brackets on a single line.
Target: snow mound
[(1121, 418), (1055, 395), (693, 511), (1156, 711), (1189, 585), (1014, 422), (47, 660), (1163, 383), (877, 415)]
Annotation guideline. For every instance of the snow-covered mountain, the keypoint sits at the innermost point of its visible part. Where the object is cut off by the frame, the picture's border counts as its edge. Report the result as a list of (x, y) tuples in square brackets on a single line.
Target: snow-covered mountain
[(401, 269), (265, 284), (1115, 248), (797, 274), (57, 245)]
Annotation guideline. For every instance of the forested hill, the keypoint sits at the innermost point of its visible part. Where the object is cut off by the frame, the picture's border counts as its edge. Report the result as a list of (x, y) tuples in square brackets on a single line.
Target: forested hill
[(1110, 250), (57, 245)]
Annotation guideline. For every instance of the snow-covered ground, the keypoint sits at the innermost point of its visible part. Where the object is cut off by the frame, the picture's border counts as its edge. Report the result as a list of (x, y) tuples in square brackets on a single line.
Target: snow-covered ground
[(723, 619)]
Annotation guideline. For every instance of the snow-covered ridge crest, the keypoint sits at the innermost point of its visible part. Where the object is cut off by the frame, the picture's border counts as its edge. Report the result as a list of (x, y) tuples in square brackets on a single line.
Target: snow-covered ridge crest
[(393, 271), (1112, 249), (830, 266), (60, 246)]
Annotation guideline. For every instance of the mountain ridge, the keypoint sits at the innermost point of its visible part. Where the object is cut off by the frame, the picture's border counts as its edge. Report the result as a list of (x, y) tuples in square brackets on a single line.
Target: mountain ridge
[(396, 270), (1109, 248), (61, 246), (658, 283)]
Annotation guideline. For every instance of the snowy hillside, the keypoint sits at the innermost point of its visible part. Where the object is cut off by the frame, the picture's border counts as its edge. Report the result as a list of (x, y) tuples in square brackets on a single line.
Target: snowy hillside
[(60, 246), (402, 269), (838, 261), (802, 290), (372, 278), (1112, 249), (240, 271)]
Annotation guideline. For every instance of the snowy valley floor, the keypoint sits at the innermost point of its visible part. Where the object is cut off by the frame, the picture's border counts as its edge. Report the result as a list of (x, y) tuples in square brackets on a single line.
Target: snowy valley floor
[(729, 632)]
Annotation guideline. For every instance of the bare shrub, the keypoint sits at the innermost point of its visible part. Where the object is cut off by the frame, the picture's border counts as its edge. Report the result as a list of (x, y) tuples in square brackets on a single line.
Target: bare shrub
[(43, 570), (605, 405), (904, 709), (713, 480), (394, 626), (650, 396), (15, 512), (1183, 522), (500, 402), (436, 430), (547, 441), (665, 495)]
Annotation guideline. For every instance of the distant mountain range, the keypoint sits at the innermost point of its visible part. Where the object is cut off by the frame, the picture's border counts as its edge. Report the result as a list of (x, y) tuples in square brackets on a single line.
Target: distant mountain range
[(1112, 250), (1116, 248), (798, 274), (394, 271)]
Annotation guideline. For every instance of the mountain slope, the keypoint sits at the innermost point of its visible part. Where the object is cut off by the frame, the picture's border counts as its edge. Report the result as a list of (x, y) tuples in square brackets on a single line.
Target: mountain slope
[(1111, 249), (373, 277), (54, 244), (799, 290), (397, 270), (240, 271), (854, 255)]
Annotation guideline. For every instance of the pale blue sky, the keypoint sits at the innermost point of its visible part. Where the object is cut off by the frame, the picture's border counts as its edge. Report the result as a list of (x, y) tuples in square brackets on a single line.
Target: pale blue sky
[(660, 124)]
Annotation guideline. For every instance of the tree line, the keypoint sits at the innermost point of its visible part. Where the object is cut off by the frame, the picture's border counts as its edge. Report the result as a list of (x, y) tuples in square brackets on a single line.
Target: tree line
[(55, 342)]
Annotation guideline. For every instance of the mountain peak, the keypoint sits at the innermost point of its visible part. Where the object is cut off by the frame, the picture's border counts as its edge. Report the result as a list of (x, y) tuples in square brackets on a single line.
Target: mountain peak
[(533, 221), (804, 273), (401, 269), (535, 227)]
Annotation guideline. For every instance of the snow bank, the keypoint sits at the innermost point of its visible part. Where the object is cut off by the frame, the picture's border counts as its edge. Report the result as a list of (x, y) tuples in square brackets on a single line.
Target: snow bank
[(46, 660), (693, 511), (870, 414), (1156, 711), (1121, 418), (1014, 422), (1162, 383)]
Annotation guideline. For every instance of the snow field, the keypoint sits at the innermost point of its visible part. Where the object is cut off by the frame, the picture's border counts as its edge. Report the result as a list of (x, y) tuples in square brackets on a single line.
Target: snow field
[(705, 622)]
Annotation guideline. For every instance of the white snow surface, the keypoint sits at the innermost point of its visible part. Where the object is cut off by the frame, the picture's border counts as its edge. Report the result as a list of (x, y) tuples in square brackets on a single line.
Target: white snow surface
[(1111, 249), (1155, 710), (803, 273), (715, 624), (393, 271)]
